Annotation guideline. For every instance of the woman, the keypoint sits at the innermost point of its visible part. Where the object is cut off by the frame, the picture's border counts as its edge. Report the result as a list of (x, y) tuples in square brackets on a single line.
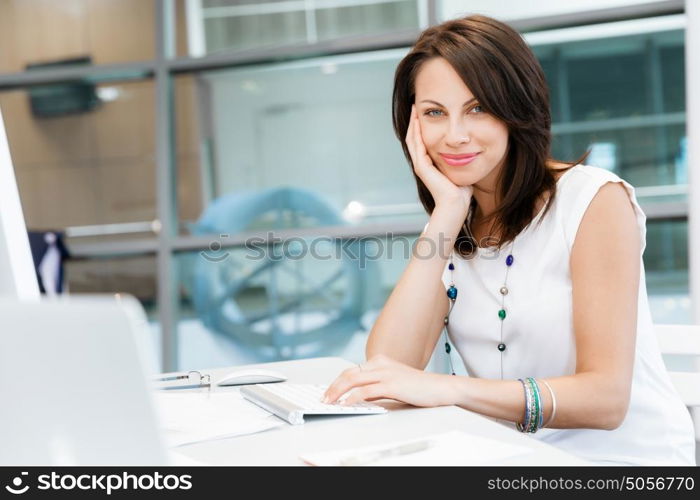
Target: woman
[(541, 286)]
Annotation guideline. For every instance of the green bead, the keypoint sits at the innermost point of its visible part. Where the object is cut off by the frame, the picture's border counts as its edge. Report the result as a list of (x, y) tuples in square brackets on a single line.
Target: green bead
[(502, 314)]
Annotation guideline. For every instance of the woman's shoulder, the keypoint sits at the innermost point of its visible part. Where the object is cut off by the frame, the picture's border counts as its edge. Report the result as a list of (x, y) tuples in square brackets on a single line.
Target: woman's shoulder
[(581, 181), (583, 173), (577, 184), (577, 191)]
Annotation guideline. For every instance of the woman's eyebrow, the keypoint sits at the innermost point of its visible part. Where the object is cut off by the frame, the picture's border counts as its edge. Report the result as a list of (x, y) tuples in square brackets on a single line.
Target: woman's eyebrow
[(438, 104)]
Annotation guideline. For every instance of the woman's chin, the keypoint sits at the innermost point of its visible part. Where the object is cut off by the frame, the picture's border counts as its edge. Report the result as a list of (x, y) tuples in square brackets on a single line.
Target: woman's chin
[(462, 180)]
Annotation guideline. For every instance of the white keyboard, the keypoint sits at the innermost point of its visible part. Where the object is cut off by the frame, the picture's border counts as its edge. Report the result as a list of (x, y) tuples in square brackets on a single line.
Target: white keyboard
[(292, 401)]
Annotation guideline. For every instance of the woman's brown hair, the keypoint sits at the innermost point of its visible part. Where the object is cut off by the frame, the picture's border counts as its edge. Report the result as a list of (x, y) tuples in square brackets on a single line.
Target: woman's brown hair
[(504, 75)]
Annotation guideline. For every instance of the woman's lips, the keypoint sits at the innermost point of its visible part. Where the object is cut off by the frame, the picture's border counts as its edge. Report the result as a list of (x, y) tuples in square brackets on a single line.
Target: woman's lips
[(458, 160)]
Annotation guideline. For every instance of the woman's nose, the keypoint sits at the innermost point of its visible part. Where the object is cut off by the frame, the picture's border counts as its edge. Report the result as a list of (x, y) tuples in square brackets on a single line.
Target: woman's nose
[(457, 136)]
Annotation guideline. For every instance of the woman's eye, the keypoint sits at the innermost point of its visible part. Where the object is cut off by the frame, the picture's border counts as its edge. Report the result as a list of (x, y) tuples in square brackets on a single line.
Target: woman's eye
[(438, 112)]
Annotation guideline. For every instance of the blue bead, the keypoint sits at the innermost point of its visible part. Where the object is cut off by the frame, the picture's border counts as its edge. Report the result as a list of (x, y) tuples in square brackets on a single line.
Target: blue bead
[(451, 266), (452, 292), (447, 348), (509, 260)]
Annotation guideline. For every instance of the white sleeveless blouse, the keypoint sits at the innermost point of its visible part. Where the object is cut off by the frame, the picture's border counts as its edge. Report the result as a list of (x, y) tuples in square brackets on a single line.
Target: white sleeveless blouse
[(538, 330)]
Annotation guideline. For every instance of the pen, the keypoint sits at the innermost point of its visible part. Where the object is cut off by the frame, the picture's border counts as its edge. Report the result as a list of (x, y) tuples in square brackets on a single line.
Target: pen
[(173, 387), (195, 378), (173, 377)]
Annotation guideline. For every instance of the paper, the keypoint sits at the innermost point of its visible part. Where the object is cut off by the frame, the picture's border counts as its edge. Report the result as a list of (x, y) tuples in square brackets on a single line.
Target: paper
[(200, 416), (450, 448), (180, 460)]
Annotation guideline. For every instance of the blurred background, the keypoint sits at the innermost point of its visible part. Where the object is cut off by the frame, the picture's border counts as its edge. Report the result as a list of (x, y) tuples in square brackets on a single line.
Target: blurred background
[(155, 137)]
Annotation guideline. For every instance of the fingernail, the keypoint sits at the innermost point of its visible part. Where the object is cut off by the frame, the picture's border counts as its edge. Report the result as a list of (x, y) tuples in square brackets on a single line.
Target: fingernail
[(325, 400)]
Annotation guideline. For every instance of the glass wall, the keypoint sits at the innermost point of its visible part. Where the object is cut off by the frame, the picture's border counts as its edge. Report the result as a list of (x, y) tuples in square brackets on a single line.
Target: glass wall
[(83, 152), (301, 297), (297, 146), (315, 135), (280, 129), (624, 98), (89, 148)]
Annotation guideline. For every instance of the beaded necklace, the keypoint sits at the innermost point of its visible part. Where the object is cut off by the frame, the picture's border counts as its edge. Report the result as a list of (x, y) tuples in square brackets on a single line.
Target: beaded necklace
[(452, 296), (452, 290)]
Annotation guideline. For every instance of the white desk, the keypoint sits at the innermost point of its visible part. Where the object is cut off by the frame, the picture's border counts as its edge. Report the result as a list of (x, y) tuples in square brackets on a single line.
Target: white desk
[(283, 445)]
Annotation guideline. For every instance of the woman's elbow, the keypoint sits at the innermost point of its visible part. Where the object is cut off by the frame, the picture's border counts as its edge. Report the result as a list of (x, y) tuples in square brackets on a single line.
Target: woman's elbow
[(370, 352), (614, 413), (373, 350)]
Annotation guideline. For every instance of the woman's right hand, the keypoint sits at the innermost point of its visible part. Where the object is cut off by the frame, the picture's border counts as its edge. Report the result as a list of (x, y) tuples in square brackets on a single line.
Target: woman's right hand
[(444, 191)]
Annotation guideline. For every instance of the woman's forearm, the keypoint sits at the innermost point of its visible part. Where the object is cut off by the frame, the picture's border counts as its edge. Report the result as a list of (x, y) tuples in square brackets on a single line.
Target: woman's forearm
[(406, 328), (584, 400)]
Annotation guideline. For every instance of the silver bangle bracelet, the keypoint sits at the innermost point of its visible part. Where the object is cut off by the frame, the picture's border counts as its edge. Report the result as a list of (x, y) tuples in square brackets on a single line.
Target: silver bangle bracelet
[(554, 404), (522, 427)]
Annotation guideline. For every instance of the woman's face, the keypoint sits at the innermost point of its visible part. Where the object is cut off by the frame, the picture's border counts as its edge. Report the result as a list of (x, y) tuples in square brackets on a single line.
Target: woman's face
[(453, 123)]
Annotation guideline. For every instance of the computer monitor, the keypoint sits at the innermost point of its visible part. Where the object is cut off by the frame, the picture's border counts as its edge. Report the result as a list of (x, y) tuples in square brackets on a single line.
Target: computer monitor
[(17, 274), (74, 386)]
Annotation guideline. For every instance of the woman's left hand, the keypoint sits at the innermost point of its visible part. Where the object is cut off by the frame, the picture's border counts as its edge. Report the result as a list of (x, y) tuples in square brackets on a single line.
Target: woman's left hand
[(382, 377)]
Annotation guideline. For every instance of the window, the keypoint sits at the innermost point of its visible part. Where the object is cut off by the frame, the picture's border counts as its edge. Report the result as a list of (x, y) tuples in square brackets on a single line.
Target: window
[(623, 97), (214, 26)]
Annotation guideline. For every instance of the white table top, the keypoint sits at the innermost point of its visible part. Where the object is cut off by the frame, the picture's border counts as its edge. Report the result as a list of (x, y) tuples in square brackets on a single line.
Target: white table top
[(283, 445)]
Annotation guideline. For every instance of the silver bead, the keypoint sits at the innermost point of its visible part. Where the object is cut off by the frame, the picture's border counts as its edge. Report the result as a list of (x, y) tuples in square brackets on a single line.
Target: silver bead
[(504, 291)]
